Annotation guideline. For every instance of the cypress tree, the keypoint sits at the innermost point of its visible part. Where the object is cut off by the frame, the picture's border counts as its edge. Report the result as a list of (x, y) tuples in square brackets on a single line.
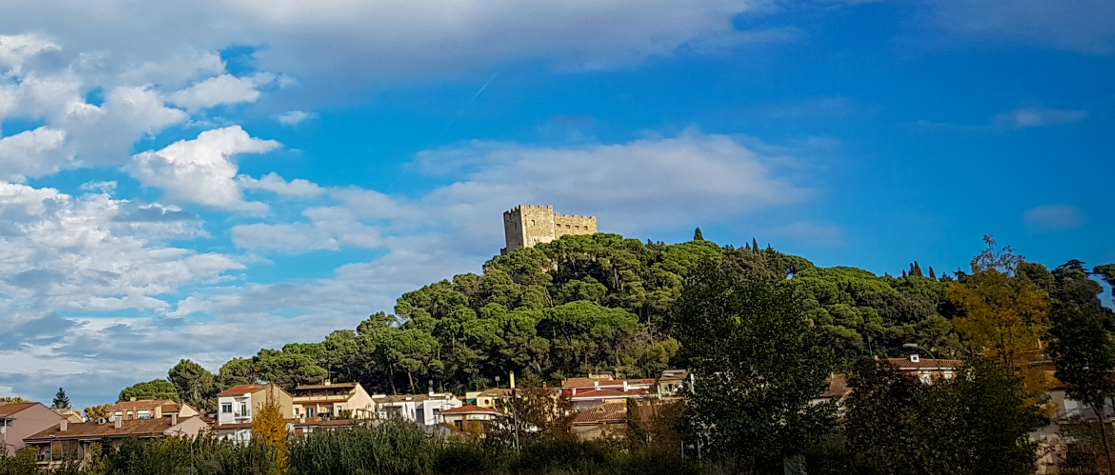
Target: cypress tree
[(697, 236)]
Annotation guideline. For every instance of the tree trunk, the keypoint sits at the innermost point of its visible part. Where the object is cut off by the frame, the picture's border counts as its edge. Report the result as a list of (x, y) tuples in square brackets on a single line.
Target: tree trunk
[(1103, 435)]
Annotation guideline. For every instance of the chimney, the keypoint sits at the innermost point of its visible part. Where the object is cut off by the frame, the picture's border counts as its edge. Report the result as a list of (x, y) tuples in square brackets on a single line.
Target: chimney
[(159, 411), (173, 419), (118, 423), (625, 385), (132, 399), (65, 424), (512, 380)]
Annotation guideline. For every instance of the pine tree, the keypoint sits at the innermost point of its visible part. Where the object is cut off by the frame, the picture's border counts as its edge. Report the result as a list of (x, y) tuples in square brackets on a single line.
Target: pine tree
[(61, 401), (697, 236)]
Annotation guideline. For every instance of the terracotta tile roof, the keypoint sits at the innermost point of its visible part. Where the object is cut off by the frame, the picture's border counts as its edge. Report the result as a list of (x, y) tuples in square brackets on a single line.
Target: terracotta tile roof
[(242, 390), (603, 413), (471, 408), (327, 386), (597, 393), (837, 387), (924, 363), (167, 406), (137, 427), (494, 392), (571, 383), (9, 409), (380, 398)]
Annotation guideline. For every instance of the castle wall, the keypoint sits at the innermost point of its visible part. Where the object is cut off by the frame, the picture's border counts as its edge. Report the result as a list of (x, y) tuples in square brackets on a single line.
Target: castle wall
[(527, 225), (571, 224)]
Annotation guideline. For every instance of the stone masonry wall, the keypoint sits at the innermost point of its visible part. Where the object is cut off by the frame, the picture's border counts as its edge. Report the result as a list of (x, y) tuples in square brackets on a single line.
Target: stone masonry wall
[(527, 225)]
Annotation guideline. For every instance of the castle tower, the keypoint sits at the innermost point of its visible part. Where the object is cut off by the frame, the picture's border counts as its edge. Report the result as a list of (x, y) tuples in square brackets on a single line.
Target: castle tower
[(527, 225)]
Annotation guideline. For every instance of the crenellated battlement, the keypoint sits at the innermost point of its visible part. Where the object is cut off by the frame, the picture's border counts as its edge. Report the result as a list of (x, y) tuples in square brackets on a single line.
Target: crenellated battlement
[(526, 225)]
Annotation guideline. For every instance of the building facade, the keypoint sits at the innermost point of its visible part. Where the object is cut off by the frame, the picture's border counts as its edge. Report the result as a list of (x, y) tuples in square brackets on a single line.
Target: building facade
[(527, 225), (21, 420), (333, 399), (237, 404)]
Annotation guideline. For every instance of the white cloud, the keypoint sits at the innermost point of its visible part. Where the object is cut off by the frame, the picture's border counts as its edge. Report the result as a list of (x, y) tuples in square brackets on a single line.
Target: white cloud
[(350, 44), (59, 253), (1032, 117), (31, 153), (276, 184), (220, 90), (1053, 218), (201, 170), (16, 49), (293, 118)]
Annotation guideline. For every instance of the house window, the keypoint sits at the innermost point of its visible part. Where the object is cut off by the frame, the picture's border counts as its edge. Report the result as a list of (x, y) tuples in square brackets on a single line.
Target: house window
[(226, 408), (244, 409), (296, 411), (310, 411)]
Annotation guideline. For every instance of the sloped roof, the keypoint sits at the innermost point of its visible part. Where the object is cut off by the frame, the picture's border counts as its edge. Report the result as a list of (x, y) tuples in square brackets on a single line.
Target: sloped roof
[(381, 398), (9, 409), (602, 413), (925, 363), (595, 393), (242, 390), (837, 387), (327, 386), (136, 427), (167, 406), (494, 392), (471, 408)]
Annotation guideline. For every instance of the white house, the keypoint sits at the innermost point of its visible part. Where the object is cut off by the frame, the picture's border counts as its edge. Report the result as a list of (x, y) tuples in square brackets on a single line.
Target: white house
[(424, 409)]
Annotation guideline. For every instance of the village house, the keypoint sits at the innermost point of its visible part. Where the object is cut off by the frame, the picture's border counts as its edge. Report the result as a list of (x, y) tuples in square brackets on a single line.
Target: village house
[(237, 404), (20, 420), (424, 409), (486, 398), (926, 369), (150, 408), (70, 414), (602, 420), (465, 418), (71, 441), (333, 399)]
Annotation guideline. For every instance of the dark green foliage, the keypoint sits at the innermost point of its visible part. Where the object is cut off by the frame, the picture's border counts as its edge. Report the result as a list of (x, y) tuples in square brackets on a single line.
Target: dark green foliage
[(61, 401), (758, 363), (154, 389), (697, 236), (975, 423), (196, 385)]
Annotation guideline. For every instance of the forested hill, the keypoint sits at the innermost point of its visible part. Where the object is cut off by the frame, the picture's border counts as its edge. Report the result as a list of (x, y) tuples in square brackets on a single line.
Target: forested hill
[(581, 304)]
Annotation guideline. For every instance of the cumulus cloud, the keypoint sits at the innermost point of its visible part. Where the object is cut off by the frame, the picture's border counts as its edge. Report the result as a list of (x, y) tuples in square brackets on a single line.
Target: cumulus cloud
[(61, 253), (1032, 117), (31, 153), (16, 49), (201, 170), (220, 90), (293, 118), (276, 184), (1053, 218)]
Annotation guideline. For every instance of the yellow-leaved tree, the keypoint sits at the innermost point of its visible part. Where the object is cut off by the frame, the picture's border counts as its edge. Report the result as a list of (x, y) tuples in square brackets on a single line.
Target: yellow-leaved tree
[(1005, 316), (269, 425)]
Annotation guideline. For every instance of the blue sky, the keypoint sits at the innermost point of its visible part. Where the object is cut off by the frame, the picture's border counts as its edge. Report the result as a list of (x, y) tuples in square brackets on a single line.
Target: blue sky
[(207, 179)]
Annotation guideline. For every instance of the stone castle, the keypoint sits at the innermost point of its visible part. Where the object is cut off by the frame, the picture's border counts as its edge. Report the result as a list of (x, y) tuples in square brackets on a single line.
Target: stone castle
[(527, 225)]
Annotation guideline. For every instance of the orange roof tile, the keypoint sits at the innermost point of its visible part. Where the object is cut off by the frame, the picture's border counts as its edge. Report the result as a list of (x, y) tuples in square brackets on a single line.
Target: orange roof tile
[(602, 413), (242, 390)]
